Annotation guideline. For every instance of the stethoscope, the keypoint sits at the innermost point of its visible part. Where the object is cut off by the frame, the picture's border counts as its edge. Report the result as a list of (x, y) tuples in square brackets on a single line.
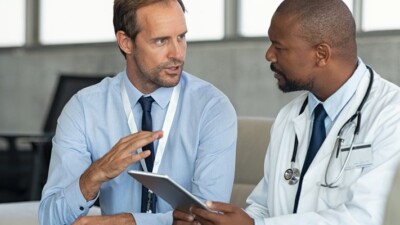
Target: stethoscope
[(292, 175)]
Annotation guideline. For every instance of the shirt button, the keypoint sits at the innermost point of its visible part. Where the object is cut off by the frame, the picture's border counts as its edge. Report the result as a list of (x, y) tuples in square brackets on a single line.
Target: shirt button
[(81, 208)]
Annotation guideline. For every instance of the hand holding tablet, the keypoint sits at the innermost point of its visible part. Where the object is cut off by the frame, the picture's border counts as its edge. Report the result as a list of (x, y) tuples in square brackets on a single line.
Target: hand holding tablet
[(164, 187)]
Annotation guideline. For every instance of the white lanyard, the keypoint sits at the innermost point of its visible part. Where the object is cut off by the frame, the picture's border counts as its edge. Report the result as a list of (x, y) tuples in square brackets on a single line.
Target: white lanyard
[(166, 126)]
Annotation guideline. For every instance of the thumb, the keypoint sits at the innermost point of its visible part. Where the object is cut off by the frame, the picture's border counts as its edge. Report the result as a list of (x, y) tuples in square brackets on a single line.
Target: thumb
[(220, 206)]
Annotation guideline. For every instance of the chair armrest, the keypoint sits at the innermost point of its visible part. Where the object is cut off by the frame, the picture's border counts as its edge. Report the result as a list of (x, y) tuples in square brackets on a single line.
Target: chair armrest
[(26, 213), (38, 143)]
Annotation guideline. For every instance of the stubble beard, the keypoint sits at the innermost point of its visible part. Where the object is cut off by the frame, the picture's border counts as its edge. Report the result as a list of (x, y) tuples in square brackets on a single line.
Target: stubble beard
[(291, 85), (153, 76)]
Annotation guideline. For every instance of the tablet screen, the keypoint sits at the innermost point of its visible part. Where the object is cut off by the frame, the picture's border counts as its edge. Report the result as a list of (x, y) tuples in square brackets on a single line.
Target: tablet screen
[(164, 187)]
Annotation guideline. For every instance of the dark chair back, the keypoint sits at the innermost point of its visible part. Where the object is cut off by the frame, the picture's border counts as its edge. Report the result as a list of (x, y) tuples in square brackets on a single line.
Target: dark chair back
[(67, 86), (24, 173)]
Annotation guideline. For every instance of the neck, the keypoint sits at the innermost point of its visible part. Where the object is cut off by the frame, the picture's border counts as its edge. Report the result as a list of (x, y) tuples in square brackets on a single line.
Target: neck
[(145, 86), (335, 77)]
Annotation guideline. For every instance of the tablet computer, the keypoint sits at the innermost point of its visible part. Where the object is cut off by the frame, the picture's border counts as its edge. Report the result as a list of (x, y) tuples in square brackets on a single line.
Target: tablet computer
[(164, 187)]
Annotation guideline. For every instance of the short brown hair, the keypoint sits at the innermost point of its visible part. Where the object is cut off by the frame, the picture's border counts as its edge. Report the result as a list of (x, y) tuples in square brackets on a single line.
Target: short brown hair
[(125, 14)]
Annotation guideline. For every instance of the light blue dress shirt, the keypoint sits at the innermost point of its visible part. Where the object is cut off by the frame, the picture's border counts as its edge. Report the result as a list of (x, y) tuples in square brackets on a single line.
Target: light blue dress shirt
[(199, 155)]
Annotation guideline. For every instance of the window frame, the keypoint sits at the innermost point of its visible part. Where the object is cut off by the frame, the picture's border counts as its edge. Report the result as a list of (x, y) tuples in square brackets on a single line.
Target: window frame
[(231, 25)]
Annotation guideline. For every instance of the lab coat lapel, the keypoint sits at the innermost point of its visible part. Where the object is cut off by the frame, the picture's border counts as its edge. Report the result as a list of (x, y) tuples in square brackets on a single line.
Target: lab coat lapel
[(301, 126), (351, 107), (316, 172)]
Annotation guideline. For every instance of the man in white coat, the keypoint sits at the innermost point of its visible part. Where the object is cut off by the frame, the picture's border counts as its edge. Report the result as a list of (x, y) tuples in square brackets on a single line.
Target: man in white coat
[(314, 49)]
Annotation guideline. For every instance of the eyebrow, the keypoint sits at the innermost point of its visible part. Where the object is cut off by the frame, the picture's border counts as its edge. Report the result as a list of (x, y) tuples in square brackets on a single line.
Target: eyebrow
[(166, 37), (185, 32), (160, 37), (275, 42)]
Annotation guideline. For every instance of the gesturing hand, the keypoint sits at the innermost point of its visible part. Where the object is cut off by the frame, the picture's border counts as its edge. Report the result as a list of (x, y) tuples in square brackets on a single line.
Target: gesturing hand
[(115, 161)]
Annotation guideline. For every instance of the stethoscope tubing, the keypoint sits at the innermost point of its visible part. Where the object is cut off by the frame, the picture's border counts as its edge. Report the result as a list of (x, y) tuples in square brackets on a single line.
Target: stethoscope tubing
[(293, 180)]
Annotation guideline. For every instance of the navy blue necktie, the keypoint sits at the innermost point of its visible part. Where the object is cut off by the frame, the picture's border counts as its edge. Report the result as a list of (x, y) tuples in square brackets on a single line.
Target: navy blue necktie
[(148, 199), (317, 138)]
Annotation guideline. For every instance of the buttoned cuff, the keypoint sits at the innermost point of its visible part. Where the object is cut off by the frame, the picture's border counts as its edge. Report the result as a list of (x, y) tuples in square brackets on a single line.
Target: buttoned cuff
[(75, 199)]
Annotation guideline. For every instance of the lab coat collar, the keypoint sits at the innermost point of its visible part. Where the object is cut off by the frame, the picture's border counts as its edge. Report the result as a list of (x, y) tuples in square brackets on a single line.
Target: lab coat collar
[(338, 100), (327, 146)]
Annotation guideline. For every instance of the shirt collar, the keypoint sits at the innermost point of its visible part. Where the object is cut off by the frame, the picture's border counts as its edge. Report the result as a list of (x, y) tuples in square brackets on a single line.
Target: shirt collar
[(161, 95), (336, 102)]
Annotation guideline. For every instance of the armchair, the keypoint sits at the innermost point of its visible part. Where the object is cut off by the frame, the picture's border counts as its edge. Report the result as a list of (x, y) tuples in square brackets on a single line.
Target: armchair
[(24, 172), (252, 144)]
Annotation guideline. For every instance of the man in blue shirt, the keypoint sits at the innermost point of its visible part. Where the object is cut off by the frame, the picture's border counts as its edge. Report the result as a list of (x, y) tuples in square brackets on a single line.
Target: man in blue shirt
[(194, 137)]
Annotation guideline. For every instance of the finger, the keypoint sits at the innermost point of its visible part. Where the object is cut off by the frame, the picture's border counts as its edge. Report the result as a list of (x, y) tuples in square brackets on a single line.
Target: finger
[(203, 215), (142, 139), (201, 221), (221, 207), (179, 215), (139, 135), (137, 157), (132, 143), (180, 222)]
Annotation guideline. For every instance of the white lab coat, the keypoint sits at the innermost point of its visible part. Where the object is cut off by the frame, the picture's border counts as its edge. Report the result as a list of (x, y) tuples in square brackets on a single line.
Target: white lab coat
[(361, 197)]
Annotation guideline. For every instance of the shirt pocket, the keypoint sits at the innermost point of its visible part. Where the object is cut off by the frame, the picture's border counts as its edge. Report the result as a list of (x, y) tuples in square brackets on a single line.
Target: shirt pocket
[(334, 194)]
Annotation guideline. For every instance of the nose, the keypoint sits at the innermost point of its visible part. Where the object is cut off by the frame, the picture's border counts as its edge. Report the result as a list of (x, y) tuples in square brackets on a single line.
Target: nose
[(270, 55), (177, 50)]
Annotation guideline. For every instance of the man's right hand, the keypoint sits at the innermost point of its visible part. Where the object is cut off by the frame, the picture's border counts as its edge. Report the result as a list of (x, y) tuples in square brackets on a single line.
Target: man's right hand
[(115, 161)]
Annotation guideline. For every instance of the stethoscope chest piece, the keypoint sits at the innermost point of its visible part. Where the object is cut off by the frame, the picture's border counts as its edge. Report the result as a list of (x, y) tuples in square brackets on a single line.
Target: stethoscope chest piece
[(292, 175)]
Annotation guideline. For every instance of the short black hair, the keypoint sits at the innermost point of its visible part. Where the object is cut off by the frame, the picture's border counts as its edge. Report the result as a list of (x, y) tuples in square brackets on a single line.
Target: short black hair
[(324, 21)]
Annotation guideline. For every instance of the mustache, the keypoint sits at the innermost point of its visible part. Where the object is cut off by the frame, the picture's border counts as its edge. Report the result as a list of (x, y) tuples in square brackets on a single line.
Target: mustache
[(172, 62), (274, 69)]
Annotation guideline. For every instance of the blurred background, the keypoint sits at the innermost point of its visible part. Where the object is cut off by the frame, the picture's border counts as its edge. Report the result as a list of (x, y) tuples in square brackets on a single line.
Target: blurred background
[(40, 40)]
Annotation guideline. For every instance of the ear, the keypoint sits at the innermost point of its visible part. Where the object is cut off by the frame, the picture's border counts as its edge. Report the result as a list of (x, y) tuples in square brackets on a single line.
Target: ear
[(125, 43), (323, 54)]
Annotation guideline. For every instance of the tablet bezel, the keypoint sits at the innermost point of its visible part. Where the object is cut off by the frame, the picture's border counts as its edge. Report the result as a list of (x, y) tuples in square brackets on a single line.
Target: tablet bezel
[(170, 191)]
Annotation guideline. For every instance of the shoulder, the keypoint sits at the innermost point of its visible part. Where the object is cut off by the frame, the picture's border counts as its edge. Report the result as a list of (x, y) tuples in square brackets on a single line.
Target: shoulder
[(196, 88), (105, 85), (383, 88), (92, 102), (384, 100), (108, 86), (96, 97), (292, 109), (192, 81), (203, 99)]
